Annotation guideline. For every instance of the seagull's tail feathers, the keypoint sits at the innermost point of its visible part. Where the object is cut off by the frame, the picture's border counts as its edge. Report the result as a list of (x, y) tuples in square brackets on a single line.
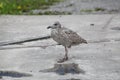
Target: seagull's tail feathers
[(84, 41)]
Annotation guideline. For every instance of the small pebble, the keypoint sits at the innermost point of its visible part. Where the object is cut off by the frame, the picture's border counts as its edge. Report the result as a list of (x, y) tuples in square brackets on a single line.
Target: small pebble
[(92, 24)]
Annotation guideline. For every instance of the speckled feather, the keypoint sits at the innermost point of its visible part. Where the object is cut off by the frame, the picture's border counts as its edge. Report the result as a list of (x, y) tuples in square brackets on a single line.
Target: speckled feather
[(66, 37)]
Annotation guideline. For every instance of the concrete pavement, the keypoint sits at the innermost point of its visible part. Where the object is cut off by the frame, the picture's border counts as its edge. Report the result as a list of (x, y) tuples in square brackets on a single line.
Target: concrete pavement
[(100, 58)]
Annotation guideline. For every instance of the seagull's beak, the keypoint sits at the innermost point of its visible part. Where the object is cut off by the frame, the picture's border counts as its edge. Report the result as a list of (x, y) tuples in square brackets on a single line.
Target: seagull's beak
[(49, 27)]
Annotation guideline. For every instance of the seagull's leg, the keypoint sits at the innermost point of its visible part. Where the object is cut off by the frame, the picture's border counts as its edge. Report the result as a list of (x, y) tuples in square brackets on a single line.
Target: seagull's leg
[(65, 57), (66, 53)]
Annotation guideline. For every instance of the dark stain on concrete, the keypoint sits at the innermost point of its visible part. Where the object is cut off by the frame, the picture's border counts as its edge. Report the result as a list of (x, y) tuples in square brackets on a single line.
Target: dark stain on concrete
[(14, 74), (115, 28)]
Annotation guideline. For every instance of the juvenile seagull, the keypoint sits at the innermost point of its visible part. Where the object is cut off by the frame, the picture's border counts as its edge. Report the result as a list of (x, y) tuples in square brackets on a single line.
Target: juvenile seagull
[(65, 37)]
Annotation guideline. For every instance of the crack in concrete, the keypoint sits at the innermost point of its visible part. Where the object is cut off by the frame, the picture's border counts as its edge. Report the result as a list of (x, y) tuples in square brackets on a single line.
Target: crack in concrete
[(44, 47)]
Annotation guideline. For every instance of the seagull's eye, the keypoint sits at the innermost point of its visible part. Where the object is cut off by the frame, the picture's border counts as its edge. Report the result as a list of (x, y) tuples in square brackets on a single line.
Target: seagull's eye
[(55, 24)]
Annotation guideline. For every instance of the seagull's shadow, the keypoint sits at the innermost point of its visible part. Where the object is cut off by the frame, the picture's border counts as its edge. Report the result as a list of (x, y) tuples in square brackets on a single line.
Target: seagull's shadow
[(64, 68)]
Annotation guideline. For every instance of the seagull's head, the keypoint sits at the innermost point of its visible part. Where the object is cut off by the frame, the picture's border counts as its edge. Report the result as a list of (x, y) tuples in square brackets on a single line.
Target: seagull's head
[(56, 25)]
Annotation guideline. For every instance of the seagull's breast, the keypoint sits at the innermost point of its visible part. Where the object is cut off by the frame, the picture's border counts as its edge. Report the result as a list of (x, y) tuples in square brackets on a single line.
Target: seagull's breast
[(59, 37), (54, 33)]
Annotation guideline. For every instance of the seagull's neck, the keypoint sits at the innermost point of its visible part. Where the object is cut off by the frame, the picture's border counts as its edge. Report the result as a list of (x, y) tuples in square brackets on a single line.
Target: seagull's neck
[(56, 28)]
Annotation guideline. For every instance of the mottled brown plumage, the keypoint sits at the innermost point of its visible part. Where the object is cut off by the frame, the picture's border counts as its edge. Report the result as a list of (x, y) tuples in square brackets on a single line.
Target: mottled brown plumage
[(65, 37)]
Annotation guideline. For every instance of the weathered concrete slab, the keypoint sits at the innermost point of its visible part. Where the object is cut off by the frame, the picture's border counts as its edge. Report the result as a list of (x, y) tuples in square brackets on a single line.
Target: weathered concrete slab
[(84, 7), (100, 60)]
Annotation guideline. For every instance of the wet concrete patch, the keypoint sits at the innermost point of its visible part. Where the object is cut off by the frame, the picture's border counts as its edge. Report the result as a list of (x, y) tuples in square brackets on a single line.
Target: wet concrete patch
[(14, 74), (64, 68)]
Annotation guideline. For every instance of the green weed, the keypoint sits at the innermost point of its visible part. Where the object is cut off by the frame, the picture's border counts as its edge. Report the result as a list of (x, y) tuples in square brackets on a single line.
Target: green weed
[(21, 6)]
